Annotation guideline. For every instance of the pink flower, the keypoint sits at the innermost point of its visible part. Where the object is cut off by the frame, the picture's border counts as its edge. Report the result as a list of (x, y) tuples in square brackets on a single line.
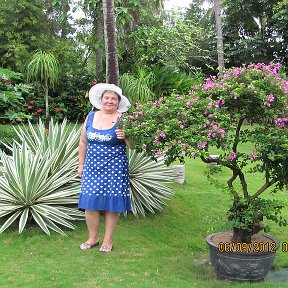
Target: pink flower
[(182, 126), (252, 155), (31, 102), (183, 152), (214, 127), (162, 135), (30, 107), (202, 145), (232, 155), (57, 109), (270, 98), (93, 82)]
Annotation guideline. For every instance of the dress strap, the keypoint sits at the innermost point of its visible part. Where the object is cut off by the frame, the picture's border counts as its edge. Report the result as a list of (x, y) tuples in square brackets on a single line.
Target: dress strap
[(90, 118)]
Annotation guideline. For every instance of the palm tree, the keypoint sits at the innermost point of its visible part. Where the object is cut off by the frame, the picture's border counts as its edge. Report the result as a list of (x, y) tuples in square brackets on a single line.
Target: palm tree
[(112, 69), (44, 68)]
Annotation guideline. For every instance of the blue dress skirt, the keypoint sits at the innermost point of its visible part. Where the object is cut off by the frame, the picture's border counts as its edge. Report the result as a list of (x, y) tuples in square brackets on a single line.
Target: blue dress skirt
[(105, 177)]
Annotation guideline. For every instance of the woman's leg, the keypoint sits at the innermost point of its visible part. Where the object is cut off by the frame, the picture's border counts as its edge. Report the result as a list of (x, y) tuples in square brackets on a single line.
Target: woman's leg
[(92, 220), (111, 219)]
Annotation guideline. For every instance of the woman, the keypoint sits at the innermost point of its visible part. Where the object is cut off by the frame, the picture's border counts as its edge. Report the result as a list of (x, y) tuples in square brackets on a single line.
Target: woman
[(103, 164)]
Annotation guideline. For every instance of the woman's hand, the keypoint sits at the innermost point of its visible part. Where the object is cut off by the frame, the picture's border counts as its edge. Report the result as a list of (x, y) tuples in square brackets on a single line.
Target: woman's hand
[(80, 170), (120, 133)]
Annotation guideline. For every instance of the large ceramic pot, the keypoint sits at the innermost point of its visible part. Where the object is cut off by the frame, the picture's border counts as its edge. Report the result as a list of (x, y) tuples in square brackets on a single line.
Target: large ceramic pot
[(241, 261)]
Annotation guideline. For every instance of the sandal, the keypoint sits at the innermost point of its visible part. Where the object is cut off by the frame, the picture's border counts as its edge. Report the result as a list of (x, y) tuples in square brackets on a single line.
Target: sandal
[(106, 249), (85, 245)]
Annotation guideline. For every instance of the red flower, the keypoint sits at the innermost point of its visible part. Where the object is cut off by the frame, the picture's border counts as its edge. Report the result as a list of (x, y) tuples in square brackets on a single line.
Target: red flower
[(6, 81), (93, 82), (57, 110), (39, 110), (31, 102), (47, 131), (29, 107)]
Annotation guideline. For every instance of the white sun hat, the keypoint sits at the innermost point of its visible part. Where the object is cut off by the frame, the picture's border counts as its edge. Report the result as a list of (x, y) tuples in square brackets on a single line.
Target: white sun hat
[(96, 93)]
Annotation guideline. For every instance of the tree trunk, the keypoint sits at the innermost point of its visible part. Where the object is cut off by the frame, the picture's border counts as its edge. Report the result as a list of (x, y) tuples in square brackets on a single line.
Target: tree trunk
[(99, 39), (112, 70), (220, 46)]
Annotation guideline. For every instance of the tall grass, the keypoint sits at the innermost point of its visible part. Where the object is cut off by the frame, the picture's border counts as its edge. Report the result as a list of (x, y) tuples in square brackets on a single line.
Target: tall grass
[(166, 249)]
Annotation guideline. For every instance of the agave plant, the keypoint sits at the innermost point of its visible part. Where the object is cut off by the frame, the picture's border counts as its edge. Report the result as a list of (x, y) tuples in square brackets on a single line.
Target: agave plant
[(59, 138), (39, 180), (147, 182)]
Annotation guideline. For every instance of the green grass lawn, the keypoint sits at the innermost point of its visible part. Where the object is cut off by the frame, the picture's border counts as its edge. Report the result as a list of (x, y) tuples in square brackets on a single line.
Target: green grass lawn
[(167, 249)]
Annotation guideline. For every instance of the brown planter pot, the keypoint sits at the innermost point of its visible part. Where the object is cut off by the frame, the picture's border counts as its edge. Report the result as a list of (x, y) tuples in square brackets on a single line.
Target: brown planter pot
[(241, 261)]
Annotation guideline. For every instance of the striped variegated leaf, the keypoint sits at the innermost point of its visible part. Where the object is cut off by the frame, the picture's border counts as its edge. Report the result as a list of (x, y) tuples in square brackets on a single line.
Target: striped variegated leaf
[(147, 183)]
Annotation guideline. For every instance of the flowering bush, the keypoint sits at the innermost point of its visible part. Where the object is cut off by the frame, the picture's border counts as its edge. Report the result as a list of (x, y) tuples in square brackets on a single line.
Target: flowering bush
[(213, 116)]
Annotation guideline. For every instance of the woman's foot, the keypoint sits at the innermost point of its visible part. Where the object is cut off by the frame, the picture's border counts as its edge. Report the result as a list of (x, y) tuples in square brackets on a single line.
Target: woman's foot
[(88, 245), (106, 248)]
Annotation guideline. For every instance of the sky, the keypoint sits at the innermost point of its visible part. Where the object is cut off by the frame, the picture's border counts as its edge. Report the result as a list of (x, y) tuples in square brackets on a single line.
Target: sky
[(169, 4)]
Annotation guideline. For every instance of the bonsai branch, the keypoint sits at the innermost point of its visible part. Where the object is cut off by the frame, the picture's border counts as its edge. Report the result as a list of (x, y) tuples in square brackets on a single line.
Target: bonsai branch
[(230, 185), (237, 134), (243, 184), (263, 188)]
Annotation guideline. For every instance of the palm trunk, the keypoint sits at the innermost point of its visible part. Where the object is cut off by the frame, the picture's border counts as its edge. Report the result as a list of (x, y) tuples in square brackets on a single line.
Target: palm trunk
[(112, 70), (99, 39)]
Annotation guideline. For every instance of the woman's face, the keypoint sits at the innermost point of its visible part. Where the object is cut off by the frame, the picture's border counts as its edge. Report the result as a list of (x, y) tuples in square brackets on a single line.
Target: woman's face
[(110, 101)]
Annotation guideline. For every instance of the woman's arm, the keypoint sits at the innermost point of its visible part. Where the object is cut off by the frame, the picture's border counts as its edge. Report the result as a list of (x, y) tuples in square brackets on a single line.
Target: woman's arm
[(82, 149)]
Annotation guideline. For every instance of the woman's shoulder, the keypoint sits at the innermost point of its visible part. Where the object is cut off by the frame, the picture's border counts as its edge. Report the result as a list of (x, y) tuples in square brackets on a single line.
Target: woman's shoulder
[(89, 117)]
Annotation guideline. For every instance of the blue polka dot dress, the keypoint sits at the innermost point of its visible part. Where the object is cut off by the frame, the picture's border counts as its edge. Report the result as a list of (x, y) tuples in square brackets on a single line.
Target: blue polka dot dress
[(105, 177)]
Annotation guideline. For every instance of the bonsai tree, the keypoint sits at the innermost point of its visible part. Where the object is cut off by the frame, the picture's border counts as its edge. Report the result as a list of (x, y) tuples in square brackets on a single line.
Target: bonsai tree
[(245, 105)]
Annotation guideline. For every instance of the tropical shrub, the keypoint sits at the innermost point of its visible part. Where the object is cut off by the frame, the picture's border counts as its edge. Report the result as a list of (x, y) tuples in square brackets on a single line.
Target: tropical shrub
[(168, 79), (12, 93), (212, 116), (137, 87), (151, 84)]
